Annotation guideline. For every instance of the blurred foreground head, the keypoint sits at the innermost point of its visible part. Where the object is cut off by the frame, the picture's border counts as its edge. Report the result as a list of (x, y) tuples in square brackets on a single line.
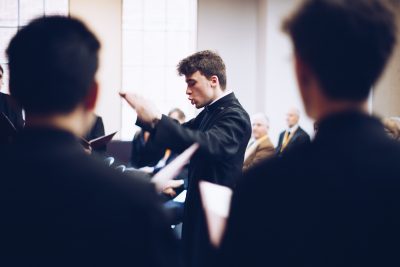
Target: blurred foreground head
[(52, 62), (341, 47)]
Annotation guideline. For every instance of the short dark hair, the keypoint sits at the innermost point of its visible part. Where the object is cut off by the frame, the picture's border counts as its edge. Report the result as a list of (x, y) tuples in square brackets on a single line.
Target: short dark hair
[(207, 62), (52, 63), (181, 114), (345, 43)]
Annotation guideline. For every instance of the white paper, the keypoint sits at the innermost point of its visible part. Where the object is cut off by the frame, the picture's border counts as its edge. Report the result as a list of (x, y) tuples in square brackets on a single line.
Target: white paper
[(181, 197), (171, 170), (216, 200)]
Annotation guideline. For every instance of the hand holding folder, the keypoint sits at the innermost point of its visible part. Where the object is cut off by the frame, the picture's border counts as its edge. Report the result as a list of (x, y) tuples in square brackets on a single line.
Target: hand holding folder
[(170, 171), (97, 142)]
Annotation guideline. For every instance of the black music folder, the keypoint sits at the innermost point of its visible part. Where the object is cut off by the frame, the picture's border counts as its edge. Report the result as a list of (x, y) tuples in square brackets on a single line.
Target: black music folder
[(97, 142)]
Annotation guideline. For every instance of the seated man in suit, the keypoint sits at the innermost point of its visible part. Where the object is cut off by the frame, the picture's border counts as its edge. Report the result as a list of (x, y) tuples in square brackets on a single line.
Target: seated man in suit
[(59, 206), (294, 136), (338, 202), (261, 146)]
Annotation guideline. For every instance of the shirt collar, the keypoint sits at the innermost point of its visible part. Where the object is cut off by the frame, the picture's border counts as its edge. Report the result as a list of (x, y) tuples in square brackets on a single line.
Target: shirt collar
[(293, 129), (226, 92)]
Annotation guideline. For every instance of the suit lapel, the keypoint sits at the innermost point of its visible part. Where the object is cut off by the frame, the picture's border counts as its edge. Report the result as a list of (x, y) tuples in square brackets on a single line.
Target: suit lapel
[(294, 135)]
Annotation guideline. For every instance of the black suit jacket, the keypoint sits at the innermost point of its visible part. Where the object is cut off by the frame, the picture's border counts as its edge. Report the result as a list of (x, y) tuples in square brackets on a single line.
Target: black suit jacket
[(299, 138), (60, 207), (222, 131), (321, 205)]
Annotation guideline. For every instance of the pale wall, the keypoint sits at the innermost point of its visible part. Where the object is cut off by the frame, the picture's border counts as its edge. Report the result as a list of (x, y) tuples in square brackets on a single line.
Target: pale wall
[(281, 88), (104, 17), (386, 99), (230, 28)]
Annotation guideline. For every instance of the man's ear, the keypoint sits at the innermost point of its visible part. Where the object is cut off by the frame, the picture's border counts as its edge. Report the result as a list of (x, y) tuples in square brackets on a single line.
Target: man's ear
[(214, 81), (91, 98)]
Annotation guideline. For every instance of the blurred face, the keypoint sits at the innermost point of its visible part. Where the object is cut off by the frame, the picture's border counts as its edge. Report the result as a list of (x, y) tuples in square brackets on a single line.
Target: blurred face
[(200, 90), (175, 115), (259, 128), (292, 118)]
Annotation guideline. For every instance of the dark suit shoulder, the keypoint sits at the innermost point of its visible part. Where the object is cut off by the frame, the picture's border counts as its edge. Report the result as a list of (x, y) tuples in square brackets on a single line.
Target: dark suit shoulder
[(302, 132), (69, 195), (126, 187)]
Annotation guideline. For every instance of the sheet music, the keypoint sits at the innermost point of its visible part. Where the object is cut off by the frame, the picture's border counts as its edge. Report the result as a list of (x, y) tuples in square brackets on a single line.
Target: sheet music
[(181, 197), (171, 170), (216, 200)]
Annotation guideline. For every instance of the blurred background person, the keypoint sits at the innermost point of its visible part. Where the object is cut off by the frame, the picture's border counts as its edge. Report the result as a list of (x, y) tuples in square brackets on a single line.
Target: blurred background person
[(260, 147), (294, 136)]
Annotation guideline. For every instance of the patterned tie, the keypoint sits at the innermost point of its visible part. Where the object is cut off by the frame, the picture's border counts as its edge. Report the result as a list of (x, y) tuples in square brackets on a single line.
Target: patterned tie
[(285, 141)]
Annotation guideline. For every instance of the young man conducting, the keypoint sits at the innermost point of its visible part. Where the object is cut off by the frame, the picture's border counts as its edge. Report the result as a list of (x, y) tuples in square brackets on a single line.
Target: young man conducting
[(222, 130)]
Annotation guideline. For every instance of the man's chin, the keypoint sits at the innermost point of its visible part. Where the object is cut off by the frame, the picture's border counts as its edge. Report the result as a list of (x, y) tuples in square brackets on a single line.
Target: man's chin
[(198, 106)]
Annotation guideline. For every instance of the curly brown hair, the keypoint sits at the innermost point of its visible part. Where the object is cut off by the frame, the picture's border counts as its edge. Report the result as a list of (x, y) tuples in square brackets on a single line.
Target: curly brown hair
[(207, 62)]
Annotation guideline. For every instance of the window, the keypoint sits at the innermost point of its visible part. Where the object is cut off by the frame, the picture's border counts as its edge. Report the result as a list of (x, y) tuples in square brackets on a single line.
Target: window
[(156, 35), (15, 14)]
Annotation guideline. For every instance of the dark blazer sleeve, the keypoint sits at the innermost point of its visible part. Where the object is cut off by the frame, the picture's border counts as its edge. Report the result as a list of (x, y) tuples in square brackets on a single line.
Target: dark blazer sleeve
[(222, 140)]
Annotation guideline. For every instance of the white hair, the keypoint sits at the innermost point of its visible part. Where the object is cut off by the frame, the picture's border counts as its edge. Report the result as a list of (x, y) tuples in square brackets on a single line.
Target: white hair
[(294, 110), (261, 116)]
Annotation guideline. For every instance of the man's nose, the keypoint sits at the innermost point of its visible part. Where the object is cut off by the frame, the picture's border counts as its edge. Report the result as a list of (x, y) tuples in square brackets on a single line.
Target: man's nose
[(188, 91)]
